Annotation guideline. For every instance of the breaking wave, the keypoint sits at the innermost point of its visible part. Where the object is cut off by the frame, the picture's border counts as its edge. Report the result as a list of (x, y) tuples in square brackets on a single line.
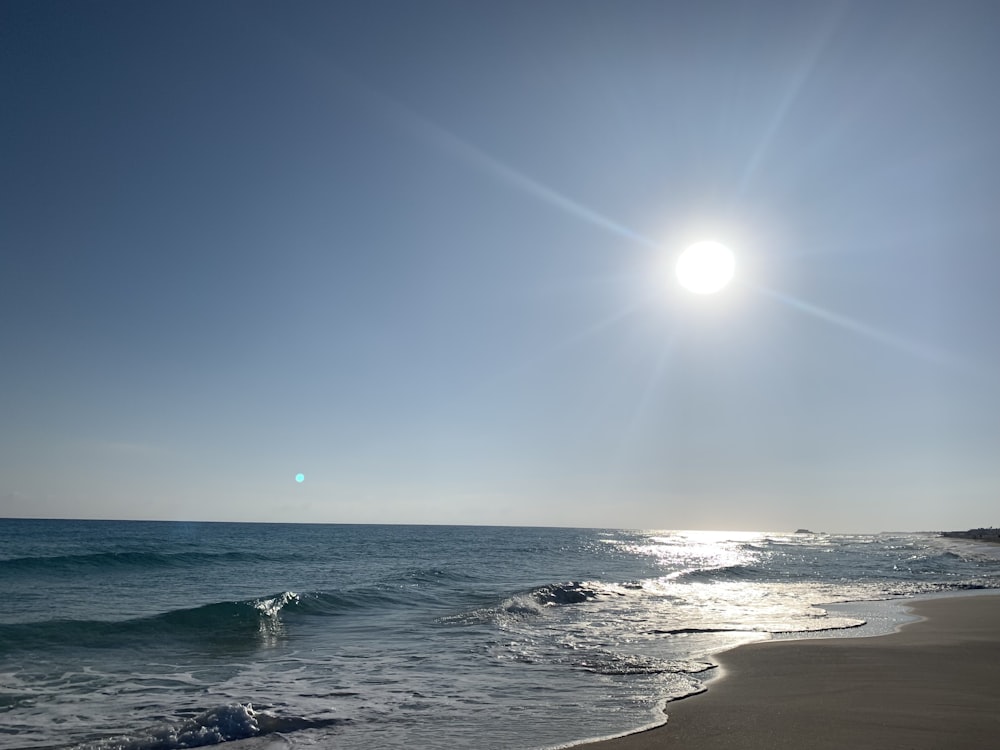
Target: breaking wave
[(217, 624), (236, 721), (534, 602)]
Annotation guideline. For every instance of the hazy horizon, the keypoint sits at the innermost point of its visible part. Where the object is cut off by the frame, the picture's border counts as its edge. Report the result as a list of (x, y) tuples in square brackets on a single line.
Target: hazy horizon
[(422, 255), (781, 532)]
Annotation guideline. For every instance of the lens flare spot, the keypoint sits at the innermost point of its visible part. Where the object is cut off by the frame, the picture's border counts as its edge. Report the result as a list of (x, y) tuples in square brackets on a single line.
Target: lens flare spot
[(300, 478)]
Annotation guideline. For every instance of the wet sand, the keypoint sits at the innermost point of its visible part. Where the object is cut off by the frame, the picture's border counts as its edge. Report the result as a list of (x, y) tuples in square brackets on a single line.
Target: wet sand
[(934, 685)]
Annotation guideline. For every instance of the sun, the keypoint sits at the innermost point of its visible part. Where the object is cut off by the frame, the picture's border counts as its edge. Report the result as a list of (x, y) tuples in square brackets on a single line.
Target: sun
[(705, 267)]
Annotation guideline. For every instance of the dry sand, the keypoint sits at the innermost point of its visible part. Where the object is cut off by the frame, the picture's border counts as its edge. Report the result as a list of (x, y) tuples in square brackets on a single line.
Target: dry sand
[(933, 685)]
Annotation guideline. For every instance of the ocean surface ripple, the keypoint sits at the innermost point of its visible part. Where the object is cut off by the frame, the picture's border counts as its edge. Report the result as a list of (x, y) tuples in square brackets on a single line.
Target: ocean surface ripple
[(156, 635)]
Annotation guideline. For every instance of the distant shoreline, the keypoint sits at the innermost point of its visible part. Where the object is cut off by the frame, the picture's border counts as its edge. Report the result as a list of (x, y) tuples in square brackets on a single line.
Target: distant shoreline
[(979, 535)]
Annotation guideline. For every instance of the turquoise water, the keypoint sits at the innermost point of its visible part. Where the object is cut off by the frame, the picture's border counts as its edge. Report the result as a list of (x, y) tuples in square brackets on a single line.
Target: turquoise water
[(165, 635)]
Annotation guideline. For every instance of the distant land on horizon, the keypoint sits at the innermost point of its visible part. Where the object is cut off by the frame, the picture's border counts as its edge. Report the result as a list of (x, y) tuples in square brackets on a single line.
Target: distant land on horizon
[(982, 534)]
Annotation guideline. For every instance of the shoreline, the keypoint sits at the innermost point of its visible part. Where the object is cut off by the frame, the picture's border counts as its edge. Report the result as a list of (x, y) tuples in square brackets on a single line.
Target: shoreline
[(932, 683)]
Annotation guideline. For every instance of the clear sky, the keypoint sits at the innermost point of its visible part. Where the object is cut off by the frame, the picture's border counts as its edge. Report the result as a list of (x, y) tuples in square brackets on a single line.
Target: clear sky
[(421, 253)]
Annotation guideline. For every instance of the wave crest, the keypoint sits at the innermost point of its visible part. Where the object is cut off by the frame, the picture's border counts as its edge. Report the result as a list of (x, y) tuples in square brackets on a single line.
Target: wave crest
[(236, 721), (533, 603), (96, 561), (219, 624)]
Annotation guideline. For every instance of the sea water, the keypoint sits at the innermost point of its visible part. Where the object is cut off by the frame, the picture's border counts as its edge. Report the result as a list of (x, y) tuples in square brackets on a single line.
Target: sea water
[(143, 636)]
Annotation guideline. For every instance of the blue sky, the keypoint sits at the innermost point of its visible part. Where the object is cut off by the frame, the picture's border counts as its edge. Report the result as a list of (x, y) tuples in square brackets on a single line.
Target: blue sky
[(422, 252)]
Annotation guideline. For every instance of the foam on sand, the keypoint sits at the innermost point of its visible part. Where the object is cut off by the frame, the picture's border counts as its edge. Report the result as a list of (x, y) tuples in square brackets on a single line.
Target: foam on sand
[(931, 685)]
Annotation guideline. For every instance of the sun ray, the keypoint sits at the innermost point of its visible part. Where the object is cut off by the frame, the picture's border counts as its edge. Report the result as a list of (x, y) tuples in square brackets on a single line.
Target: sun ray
[(801, 76), (913, 348), (642, 403), (565, 343), (443, 138)]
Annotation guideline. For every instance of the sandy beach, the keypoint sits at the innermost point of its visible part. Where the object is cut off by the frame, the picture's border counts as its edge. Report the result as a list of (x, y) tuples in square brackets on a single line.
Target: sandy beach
[(934, 684)]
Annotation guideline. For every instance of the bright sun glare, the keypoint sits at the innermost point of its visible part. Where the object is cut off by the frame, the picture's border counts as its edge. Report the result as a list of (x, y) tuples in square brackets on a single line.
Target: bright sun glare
[(705, 267)]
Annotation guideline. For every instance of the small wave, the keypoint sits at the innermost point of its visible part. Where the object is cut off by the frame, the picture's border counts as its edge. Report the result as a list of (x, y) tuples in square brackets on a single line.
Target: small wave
[(726, 572), (329, 604), (517, 607), (13, 700), (564, 593), (97, 561), (236, 721), (220, 623), (435, 575), (533, 603)]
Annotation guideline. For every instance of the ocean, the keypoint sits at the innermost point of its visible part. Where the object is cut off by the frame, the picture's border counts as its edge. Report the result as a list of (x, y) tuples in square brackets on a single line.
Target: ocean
[(125, 635)]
